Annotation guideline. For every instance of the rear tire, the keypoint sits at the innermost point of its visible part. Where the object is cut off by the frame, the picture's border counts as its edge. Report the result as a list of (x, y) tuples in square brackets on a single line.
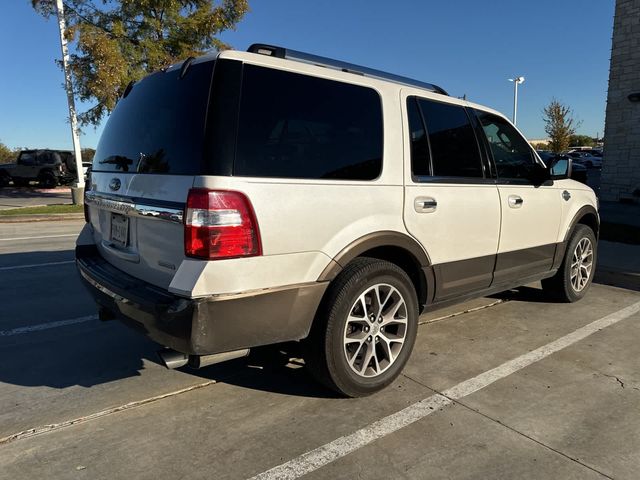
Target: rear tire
[(47, 180), (365, 328), (574, 277)]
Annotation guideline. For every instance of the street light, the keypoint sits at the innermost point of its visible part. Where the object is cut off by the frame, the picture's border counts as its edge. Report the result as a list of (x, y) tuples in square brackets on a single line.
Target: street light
[(516, 81)]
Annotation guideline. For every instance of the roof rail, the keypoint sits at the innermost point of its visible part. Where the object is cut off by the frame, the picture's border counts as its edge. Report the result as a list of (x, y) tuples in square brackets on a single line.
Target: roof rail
[(286, 53)]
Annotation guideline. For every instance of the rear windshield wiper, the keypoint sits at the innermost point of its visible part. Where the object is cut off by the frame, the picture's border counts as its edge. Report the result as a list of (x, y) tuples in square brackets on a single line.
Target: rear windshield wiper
[(119, 161)]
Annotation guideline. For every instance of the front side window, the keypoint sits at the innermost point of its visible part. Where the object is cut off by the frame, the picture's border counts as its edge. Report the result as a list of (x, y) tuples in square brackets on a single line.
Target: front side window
[(511, 152), (454, 149), (297, 126), (27, 158)]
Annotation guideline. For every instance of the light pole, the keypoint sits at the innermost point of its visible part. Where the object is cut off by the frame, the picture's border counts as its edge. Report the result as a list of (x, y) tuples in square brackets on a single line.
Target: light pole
[(516, 81), (77, 193)]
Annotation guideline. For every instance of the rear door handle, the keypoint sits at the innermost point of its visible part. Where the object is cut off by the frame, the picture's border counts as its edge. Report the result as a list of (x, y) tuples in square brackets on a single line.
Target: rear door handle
[(515, 201), (425, 204)]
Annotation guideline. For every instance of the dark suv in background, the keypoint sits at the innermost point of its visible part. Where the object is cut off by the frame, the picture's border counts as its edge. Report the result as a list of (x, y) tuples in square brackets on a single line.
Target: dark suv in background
[(49, 168)]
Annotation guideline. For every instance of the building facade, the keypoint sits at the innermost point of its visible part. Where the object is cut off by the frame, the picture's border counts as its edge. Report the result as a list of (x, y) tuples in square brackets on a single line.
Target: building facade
[(621, 166)]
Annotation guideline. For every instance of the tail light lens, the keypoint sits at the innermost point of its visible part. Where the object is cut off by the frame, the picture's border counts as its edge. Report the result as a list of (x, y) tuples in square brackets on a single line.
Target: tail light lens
[(220, 224)]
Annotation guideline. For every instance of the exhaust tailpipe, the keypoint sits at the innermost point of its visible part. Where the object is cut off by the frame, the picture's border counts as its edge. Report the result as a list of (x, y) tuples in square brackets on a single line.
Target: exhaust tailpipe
[(199, 361), (172, 359)]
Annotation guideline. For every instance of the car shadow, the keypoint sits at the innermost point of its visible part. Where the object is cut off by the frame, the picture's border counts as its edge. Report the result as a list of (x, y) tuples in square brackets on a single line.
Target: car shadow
[(272, 368), (523, 294), (52, 337)]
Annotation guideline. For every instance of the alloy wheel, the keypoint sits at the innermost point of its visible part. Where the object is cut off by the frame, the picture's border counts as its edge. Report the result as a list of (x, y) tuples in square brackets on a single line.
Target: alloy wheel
[(375, 330), (581, 264)]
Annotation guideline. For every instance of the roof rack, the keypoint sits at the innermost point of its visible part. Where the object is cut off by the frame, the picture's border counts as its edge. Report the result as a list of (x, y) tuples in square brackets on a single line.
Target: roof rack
[(286, 53)]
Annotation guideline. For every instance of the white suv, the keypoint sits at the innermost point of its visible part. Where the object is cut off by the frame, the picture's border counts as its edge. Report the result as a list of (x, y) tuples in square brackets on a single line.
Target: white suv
[(249, 198)]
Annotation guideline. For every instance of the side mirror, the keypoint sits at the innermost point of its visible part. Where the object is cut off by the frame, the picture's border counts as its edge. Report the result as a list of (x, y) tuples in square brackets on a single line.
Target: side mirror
[(560, 168)]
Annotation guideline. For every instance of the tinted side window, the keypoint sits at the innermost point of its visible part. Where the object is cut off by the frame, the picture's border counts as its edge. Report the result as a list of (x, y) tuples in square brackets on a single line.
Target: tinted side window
[(296, 126), (27, 158), (511, 152), (419, 143), (454, 149)]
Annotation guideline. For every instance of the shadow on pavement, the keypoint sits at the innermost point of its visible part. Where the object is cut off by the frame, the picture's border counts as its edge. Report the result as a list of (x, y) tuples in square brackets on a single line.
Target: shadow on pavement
[(34, 258), (273, 368), (91, 352), (523, 294), (94, 352)]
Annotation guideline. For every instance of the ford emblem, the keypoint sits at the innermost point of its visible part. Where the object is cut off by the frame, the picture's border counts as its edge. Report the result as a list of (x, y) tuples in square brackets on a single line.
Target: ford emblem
[(114, 184)]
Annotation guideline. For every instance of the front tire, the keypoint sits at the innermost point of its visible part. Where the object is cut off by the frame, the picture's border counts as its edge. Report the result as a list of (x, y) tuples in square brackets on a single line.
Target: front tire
[(574, 277), (365, 329), (48, 180)]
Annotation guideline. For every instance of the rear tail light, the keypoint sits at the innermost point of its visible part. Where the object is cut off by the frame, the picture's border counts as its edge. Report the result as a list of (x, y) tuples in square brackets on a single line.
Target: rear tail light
[(220, 224)]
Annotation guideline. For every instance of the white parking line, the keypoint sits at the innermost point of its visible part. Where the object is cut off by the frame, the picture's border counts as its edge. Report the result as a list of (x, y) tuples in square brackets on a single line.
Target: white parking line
[(347, 444), (33, 265), (39, 237), (46, 326)]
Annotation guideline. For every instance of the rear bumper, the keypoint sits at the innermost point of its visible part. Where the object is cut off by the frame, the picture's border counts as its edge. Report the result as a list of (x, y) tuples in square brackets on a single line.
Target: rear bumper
[(205, 325)]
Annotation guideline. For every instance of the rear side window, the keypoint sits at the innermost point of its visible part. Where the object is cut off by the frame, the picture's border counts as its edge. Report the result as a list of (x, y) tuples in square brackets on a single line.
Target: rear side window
[(454, 149), (420, 166), (297, 126), (159, 126)]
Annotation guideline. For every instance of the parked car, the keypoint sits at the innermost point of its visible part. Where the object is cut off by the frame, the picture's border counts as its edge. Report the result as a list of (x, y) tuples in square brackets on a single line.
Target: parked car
[(578, 171), (302, 198), (48, 168), (586, 159)]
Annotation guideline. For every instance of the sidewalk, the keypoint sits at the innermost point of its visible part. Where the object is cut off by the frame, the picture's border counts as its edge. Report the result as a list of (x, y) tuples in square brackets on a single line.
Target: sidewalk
[(619, 245), (620, 222), (618, 264)]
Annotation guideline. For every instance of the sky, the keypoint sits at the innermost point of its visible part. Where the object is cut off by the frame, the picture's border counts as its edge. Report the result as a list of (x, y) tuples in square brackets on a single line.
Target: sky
[(472, 48)]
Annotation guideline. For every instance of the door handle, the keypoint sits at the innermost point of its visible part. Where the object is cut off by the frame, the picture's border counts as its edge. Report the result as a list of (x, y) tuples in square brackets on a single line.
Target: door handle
[(515, 201), (425, 204)]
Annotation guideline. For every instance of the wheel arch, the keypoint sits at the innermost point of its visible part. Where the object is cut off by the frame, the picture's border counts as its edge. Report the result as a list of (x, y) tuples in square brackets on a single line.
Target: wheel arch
[(394, 247), (588, 216)]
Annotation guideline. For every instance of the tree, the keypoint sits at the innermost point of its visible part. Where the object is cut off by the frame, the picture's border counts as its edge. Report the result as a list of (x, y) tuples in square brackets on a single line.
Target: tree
[(6, 154), (559, 125), (582, 141), (120, 41), (87, 154)]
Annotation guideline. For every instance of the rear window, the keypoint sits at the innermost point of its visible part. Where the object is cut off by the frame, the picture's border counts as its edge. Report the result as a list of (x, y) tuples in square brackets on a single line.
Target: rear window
[(297, 126), (159, 126), (453, 144)]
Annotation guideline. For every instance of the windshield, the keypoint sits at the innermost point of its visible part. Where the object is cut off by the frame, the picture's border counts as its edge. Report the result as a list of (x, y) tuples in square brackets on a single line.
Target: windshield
[(159, 126)]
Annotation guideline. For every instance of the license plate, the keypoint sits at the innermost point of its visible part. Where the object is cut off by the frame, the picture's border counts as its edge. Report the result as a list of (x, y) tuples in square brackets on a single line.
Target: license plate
[(119, 229)]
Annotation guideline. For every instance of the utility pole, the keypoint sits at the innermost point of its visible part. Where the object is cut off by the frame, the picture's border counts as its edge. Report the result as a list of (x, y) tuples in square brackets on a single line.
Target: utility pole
[(516, 81), (77, 193)]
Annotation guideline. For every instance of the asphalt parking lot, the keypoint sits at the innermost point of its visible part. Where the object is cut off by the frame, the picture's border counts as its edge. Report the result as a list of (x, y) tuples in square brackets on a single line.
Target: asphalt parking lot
[(13, 197), (502, 387)]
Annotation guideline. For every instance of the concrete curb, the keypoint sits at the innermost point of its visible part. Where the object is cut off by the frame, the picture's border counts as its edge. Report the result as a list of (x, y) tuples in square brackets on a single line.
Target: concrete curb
[(51, 217)]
